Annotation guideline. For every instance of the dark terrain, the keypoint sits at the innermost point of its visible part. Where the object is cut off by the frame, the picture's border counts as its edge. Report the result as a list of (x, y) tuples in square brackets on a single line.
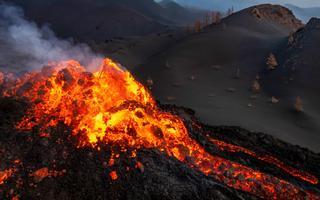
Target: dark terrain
[(205, 77)]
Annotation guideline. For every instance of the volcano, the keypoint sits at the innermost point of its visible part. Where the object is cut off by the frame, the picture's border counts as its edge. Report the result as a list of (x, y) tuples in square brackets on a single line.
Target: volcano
[(73, 134)]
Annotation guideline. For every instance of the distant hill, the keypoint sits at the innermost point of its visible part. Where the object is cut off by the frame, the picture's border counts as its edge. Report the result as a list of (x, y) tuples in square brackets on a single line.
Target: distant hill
[(305, 14), (170, 3), (92, 20), (218, 4), (241, 4), (100, 20), (265, 18), (180, 14)]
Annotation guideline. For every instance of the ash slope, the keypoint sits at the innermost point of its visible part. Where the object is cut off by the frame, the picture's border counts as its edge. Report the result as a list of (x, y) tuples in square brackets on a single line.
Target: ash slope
[(199, 72), (298, 74)]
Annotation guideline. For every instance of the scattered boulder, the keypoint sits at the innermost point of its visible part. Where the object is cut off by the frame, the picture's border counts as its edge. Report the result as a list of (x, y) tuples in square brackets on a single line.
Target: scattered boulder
[(272, 62), (253, 97), (237, 75), (291, 39), (298, 104), (255, 12), (257, 77), (255, 87), (167, 65), (150, 83), (192, 78), (216, 67), (231, 89), (274, 100), (176, 84), (171, 98)]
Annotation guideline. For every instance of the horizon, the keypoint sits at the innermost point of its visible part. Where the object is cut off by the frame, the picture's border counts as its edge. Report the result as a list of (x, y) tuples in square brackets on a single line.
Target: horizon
[(219, 4)]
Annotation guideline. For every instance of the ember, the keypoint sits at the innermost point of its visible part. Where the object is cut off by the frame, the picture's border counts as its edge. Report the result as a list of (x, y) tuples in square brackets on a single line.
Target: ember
[(110, 106), (4, 175), (40, 174), (113, 175)]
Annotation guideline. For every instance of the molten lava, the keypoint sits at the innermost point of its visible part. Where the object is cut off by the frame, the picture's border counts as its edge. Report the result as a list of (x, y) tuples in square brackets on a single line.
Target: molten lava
[(268, 159), (111, 107)]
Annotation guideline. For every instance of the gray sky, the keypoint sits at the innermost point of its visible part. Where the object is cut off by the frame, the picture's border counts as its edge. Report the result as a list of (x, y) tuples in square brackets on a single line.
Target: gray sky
[(301, 3), (239, 4)]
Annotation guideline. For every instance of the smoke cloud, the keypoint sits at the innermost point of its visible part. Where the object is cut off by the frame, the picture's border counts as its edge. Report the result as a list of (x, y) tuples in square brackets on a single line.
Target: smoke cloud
[(25, 46)]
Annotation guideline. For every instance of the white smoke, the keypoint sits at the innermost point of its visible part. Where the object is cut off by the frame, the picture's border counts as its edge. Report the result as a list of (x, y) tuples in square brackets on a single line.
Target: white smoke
[(24, 46)]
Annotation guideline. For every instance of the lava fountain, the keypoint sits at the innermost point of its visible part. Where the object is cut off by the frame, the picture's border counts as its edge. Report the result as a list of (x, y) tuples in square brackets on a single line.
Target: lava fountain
[(110, 106)]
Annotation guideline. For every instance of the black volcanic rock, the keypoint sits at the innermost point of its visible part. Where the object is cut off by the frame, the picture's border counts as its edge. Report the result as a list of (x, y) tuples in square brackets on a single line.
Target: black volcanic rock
[(314, 23)]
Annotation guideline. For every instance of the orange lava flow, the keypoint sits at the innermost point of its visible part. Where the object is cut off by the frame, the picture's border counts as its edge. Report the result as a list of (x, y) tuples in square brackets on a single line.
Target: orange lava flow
[(268, 159), (112, 107)]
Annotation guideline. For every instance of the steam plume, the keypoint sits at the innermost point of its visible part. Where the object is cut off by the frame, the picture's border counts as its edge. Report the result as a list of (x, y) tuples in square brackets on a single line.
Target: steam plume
[(25, 46)]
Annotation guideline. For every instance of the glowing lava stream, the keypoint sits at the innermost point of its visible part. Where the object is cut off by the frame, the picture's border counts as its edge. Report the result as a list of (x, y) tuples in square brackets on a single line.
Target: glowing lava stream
[(268, 159), (111, 106)]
